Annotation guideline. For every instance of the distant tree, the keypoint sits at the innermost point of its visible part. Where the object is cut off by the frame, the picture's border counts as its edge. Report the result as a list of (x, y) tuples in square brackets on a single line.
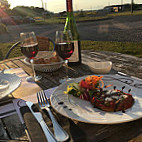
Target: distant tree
[(28, 11), (39, 10), (4, 5), (4, 8), (24, 11)]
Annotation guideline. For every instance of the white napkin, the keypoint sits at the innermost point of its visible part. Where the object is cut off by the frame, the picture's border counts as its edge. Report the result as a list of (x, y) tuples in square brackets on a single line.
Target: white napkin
[(25, 88), (33, 98)]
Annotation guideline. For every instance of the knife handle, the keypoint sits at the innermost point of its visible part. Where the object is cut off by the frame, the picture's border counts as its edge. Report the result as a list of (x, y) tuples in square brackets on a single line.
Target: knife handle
[(47, 132), (60, 133)]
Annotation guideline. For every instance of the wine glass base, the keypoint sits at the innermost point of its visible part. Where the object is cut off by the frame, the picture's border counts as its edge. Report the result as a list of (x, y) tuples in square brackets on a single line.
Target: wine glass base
[(65, 80), (37, 78), (32, 79)]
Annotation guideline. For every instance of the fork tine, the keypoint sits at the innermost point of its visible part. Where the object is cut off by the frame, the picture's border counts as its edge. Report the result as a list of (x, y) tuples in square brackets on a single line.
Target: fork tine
[(42, 98), (38, 99), (45, 97)]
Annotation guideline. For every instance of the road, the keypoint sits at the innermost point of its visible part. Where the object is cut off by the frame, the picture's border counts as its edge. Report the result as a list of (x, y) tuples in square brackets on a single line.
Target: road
[(122, 28)]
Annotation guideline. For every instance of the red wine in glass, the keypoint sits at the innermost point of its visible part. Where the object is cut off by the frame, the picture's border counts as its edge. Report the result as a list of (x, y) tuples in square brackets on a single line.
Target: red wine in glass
[(29, 47), (65, 49), (30, 51)]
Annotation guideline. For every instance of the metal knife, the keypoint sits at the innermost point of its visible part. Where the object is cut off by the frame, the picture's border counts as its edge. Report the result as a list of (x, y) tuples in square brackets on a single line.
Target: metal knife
[(49, 135), (123, 74)]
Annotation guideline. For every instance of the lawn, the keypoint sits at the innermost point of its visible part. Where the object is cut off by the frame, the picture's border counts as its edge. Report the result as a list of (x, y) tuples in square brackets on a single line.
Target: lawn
[(127, 13), (87, 16), (131, 48), (4, 47)]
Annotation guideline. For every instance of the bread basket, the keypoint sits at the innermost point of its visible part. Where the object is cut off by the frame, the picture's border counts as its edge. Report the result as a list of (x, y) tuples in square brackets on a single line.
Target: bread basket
[(49, 67)]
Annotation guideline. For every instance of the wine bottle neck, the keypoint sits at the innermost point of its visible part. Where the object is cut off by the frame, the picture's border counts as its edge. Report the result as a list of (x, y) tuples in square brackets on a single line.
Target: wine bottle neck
[(69, 5)]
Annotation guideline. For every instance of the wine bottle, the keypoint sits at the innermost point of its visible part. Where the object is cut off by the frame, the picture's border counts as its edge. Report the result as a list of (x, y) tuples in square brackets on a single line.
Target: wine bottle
[(70, 24)]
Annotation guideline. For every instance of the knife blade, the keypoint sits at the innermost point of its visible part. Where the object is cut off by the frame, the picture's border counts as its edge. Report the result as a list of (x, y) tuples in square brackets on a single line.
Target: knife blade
[(49, 135)]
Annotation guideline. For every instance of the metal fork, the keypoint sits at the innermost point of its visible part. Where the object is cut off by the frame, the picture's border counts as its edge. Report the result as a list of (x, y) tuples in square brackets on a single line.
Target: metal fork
[(60, 133)]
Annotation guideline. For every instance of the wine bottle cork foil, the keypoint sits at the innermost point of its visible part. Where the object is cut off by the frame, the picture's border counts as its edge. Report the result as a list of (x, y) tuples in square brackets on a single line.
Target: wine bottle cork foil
[(69, 5)]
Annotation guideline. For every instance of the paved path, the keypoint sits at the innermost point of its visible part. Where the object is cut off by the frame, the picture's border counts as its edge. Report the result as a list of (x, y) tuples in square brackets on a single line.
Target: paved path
[(122, 28)]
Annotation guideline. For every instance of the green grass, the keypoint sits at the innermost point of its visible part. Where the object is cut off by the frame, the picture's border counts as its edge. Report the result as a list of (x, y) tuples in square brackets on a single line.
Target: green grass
[(4, 47), (127, 13), (83, 19), (52, 20), (131, 48), (57, 20), (3, 28), (86, 17)]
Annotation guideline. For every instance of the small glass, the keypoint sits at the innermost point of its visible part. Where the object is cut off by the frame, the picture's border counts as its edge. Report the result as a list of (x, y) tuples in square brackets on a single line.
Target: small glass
[(29, 47), (64, 47)]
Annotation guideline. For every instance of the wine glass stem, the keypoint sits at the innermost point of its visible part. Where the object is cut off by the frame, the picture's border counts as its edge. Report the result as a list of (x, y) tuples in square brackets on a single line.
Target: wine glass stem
[(66, 68), (34, 74)]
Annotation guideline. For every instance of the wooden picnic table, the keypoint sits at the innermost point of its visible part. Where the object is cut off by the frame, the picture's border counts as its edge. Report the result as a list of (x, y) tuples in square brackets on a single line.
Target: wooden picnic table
[(11, 128)]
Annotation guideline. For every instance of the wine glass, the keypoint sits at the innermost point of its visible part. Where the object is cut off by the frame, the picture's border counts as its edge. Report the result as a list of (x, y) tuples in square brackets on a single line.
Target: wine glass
[(64, 46), (29, 47)]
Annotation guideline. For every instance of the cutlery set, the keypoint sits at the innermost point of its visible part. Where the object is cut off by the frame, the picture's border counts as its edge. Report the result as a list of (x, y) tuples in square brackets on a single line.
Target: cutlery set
[(49, 136), (59, 132), (59, 135)]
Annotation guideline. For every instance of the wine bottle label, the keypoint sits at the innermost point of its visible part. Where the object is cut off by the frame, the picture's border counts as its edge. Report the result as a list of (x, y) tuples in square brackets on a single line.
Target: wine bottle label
[(75, 56), (69, 5)]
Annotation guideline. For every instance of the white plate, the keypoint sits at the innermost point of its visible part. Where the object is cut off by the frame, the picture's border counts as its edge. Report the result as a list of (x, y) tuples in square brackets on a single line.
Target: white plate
[(13, 83), (83, 111)]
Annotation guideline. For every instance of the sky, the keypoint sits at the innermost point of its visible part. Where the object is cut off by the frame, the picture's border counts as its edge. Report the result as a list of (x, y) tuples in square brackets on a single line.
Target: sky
[(60, 5)]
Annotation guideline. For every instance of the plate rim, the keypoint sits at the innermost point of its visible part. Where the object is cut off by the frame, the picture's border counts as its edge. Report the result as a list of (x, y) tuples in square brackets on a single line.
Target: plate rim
[(90, 122), (19, 83)]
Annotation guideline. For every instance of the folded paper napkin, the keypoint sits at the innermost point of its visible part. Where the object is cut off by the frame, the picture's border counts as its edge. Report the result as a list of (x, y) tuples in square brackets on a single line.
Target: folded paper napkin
[(26, 88), (33, 98)]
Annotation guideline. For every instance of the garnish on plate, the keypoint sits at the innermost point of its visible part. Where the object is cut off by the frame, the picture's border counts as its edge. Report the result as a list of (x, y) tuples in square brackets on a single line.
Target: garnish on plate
[(91, 89), (86, 87)]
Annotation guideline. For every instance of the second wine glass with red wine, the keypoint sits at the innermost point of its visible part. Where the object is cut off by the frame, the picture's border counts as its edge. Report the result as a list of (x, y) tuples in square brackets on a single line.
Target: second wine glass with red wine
[(29, 47), (64, 47)]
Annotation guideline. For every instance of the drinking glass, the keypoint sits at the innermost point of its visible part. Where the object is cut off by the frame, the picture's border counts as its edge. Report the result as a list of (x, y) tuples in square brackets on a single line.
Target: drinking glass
[(29, 47), (64, 46)]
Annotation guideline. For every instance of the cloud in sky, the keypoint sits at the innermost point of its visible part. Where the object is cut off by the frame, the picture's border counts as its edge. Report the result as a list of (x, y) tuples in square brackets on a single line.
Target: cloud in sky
[(60, 5)]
